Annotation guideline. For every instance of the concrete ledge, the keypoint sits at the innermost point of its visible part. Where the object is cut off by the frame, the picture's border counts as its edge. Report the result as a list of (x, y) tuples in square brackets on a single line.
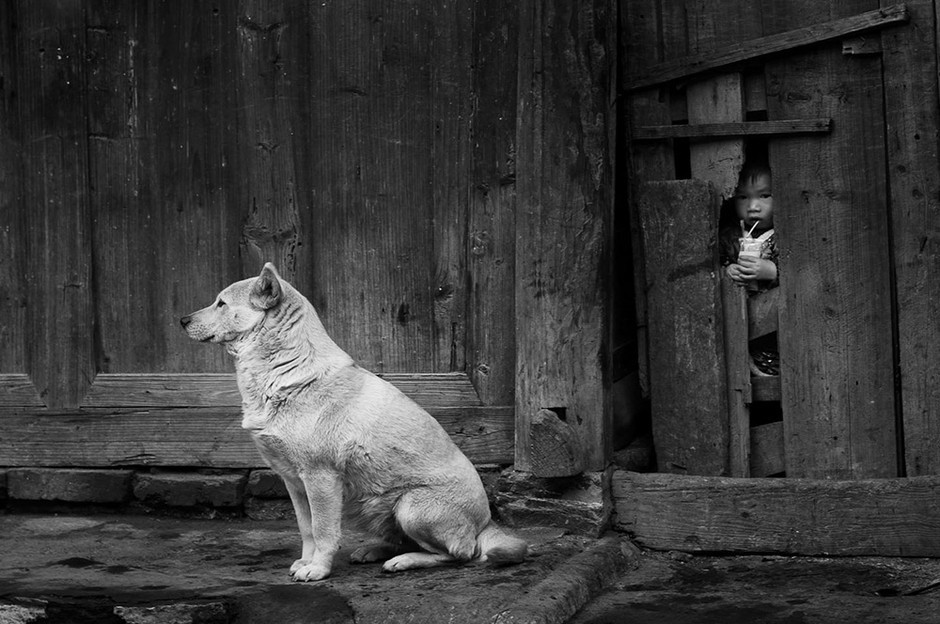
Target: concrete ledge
[(190, 489), (69, 485), (572, 584)]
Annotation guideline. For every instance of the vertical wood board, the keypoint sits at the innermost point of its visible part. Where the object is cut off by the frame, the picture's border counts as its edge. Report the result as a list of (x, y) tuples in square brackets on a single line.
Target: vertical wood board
[(687, 370), (564, 181), (913, 114), (830, 200)]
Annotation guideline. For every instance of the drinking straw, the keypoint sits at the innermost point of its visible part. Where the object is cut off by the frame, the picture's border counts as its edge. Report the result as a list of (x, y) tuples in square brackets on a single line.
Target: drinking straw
[(752, 229)]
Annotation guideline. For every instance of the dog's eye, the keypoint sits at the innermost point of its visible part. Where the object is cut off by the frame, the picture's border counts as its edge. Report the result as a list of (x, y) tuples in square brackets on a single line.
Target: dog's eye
[(220, 304)]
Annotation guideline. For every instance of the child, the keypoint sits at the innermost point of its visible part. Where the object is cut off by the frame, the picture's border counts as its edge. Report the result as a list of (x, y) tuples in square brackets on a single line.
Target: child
[(753, 205)]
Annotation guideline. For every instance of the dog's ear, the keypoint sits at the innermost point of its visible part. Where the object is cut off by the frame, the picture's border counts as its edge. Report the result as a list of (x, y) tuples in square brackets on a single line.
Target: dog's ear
[(266, 292)]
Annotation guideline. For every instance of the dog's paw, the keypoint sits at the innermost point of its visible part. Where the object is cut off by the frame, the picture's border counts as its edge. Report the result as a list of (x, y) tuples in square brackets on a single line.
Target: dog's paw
[(310, 572), (299, 564), (370, 553)]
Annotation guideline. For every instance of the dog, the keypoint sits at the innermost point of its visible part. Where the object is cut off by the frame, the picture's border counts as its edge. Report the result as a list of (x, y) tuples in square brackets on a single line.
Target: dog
[(349, 445)]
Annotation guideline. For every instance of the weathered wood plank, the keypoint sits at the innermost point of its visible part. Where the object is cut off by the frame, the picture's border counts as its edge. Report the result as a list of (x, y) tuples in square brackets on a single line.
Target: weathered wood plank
[(642, 24), (738, 375), (17, 390), (910, 72), (763, 312), (766, 389), (767, 454), (732, 129), (197, 437), (717, 162), (13, 312), (885, 517), (51, 92), (565, 171), (687, 371), (491, 355), (835, 331), (757, 48), (220, 390)]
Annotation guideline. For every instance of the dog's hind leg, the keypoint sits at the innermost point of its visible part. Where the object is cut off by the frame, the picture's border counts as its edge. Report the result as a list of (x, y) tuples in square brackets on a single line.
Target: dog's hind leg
[(447, 532), (378, 551)]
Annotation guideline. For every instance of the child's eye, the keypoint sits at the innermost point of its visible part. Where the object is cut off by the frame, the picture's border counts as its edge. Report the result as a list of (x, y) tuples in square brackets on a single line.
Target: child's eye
[(765, 196)]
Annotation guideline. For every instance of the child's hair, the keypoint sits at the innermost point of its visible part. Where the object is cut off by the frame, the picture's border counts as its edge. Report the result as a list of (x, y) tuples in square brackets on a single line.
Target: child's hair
[(753, 170)]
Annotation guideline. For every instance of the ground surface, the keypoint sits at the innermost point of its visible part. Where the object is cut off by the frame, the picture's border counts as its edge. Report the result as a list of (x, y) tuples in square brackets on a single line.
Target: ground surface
[(146, 570), (678, 589)]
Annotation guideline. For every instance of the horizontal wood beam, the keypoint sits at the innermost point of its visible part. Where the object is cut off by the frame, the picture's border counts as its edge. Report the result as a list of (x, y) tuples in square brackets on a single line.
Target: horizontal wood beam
[(115, 390), (724, 57), (732, 129), (765, 388), (198, 437), (884, 517)]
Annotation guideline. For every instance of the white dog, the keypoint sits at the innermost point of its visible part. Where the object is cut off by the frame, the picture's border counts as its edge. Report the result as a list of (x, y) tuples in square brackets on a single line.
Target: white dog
[(348, 444)]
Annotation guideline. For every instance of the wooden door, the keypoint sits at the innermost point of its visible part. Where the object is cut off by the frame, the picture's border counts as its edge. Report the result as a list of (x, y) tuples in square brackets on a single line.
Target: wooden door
[(151, 156)]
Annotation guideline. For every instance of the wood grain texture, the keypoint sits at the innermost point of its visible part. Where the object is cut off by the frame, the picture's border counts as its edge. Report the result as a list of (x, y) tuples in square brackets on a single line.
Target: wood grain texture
[(913, 114), (209, 437), (732, 129), (734, 320), (885, 517), (564, 181), (737, 53), (50, 86), (13, 292), (837, 369), (220, 390), (687, 370), (491, 353)]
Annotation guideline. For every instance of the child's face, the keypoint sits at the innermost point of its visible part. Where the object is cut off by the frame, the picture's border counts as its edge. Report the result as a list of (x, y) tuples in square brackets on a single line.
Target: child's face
[(754, 202)]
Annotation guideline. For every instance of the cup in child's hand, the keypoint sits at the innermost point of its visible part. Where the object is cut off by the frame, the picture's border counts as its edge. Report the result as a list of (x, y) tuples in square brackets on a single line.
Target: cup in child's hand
[(750, 247)]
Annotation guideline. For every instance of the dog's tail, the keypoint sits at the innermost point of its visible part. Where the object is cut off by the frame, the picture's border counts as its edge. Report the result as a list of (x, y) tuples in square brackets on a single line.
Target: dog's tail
[(499, 547)]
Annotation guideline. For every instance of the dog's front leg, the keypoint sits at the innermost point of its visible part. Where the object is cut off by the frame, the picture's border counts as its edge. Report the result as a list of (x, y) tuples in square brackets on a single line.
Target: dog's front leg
[(298, 498), (325, 496)]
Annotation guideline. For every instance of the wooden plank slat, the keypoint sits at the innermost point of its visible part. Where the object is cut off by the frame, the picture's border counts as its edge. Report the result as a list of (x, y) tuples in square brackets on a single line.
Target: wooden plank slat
[(753, 49), (767, 455), (835, 336), (765, 388), (687, 369), (563, 222), (885, 517), (738, 375), (198, 437), (17, 390), (52, 104), (732, 129), (913, 118), (763, 311), (219, 390)]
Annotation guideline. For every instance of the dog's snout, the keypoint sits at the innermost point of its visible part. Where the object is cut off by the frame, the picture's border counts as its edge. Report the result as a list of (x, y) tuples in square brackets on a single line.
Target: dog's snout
[(186, 320)]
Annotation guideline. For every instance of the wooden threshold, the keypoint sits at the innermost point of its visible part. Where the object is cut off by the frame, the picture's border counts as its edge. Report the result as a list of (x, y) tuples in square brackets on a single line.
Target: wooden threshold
[(883, 517)]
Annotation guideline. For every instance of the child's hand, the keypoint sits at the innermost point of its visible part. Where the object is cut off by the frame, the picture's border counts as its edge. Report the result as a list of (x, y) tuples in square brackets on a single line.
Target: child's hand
[(734, 272), (750, 269)]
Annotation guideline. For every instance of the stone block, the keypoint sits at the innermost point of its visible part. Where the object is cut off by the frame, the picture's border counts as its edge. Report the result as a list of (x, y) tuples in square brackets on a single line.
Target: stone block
[(578, 504), (73, 485), (174, 489), (266, 484), (269, 509)]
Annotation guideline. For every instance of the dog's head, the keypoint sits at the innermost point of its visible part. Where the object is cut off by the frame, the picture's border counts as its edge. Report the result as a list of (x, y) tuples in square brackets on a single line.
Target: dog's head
[(237, 310)]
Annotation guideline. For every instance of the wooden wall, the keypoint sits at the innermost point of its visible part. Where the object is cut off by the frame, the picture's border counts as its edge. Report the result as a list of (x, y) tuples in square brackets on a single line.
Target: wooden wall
[(152, 153), (855, 203)]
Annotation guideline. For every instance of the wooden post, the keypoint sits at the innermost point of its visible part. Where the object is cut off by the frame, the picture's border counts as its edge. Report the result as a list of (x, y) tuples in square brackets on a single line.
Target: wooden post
[(564, 184)]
